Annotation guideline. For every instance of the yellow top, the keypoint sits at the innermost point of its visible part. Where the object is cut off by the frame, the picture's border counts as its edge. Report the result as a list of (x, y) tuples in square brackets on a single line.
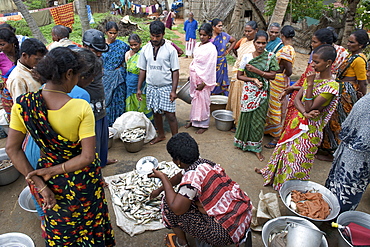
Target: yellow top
[(357, 68), (74, 121)]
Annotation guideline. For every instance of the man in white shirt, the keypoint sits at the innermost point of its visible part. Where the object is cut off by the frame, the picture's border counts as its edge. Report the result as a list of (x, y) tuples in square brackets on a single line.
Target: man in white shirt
[(20, 80), (159, 65)]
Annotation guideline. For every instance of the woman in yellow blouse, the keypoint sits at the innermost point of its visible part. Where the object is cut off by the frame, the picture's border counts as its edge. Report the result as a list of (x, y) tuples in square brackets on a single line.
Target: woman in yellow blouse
[(67, 182), (352, 74)]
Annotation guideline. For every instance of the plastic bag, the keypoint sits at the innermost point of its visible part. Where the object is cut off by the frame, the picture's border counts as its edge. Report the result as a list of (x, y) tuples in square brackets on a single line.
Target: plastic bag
[(268, 208), (132, 120)]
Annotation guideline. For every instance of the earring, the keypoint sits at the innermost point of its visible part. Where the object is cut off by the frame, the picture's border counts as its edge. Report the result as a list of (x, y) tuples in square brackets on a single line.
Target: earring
[(327, 66)]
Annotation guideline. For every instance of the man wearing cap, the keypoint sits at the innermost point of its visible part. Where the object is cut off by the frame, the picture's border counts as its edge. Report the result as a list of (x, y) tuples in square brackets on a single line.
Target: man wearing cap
[(159, 65), (94, 40)]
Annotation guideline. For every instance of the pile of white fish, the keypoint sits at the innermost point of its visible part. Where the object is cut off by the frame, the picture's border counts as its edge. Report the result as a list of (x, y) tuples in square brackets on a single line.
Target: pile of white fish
[(5, 163), (133, 135), (131, 192)]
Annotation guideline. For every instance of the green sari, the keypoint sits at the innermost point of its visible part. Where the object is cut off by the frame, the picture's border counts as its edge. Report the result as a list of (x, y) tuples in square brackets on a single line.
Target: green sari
[(254, 103)]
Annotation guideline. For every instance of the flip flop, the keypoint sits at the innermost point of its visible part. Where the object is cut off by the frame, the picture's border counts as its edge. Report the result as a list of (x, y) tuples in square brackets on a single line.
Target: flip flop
[(270, 145), (170, 241)]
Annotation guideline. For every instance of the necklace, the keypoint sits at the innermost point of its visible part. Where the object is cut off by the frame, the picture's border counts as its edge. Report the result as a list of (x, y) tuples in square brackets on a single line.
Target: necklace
[(53, 91)]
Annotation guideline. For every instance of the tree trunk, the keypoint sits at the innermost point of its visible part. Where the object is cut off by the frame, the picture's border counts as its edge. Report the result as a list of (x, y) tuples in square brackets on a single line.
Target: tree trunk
[(82, 11), (349, 25), (187, 8), (30, 21), (279, 11), (235, 23)]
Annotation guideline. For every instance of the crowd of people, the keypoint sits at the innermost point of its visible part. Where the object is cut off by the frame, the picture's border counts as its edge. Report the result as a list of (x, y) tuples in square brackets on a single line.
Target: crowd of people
[(89, 86)]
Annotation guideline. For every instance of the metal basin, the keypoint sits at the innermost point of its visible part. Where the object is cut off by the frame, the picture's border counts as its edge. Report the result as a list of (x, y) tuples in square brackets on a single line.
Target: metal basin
[(278, 224), (218, 102), (347, 217), (184, 93), (8, 174), (303, 186), (17, 239), (112, 133), (134, 146), (224, 119), (26, 201)]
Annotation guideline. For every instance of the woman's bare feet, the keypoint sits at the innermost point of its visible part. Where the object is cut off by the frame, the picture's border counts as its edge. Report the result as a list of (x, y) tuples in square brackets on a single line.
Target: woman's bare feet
[(188, 125), (157, 139), (201, 130), (257, 170), (260, 157)]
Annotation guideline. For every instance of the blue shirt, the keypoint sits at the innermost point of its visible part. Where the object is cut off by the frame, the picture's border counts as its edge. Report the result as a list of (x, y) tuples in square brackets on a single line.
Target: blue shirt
[(79, 93), (190, 28)]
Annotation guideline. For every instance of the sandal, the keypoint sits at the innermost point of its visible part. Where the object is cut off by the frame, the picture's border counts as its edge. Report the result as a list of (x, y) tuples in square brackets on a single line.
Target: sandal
[(171, 243), (270, 145)]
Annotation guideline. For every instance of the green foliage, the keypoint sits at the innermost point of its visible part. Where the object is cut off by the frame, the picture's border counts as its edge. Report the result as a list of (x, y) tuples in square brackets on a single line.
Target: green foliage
[(76, 35), (35, 4), (300, 9), (363, 15)]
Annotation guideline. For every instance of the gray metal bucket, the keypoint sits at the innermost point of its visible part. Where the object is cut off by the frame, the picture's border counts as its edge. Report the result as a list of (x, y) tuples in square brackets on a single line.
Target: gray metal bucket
[(303, 236), (26, 201), (184, 93), (8, 174), (224, 119), (280, 223), (345, 218), (327, 195)]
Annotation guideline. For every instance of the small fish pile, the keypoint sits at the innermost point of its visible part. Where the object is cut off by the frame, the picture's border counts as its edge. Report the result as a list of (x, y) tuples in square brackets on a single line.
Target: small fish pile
[(131, 193), (133, 135), (5, 163)]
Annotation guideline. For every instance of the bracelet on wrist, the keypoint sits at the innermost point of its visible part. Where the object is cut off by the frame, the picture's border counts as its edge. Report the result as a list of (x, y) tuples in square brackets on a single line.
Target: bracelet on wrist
[(307, 99), (64, 167), (40, 190)]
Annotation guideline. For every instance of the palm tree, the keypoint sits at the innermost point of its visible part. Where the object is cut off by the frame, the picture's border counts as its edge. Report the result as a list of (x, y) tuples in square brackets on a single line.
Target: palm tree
[(236, 18), (279, 11), (30, 21), (349, 25), (82, 11)]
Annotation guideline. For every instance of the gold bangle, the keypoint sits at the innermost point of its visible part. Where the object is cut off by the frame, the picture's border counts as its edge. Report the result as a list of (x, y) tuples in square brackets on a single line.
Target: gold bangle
[(64, 168), (42, 188), (263, 73)]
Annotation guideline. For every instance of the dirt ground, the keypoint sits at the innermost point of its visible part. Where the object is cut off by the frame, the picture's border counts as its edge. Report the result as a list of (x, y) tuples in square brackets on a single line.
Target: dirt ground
[(214, 145)]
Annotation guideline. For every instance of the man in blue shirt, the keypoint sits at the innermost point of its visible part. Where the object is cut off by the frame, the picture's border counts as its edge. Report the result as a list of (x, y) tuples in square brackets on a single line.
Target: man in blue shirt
[(190, 27)]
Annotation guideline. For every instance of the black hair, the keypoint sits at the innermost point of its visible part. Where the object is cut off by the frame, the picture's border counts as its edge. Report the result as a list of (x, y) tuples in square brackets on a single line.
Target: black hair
[(8, 36), (156, 27), (57, 62), (274, 24), (184, 148), (60, 31), (325, 36), (93, 65), (110, 25), (32, 46), (8, 26), (326, 52), (252, 24), (361, 37), (288, 31), (134, 37), (261, 33), (215, 22), (335, 35), (206, 27)]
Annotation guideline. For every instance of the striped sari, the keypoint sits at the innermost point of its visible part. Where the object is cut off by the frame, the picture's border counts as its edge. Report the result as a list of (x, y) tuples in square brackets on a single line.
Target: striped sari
[(277, 108)]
